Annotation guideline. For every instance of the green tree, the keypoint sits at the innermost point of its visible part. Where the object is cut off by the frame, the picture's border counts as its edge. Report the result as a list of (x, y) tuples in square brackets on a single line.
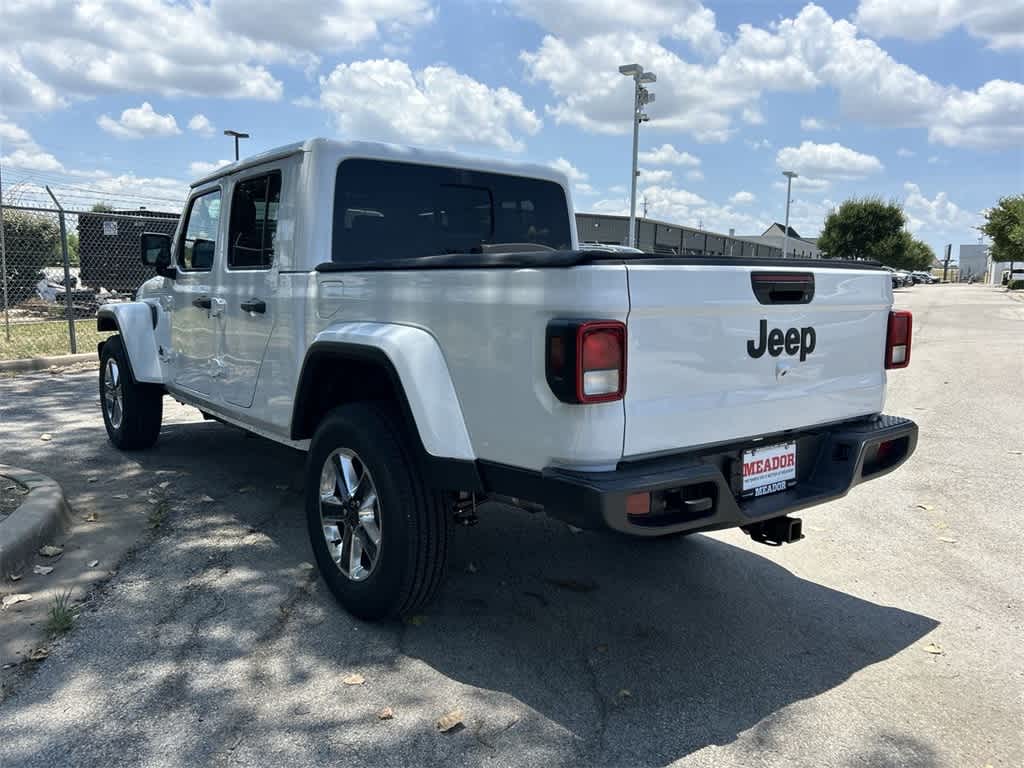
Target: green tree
[(73, 249), (920, 255), (31, 241), (1004, 224), (102, 208), (867, 228)]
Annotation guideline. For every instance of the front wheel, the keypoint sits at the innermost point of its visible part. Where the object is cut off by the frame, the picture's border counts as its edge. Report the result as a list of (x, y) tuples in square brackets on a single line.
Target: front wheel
[(132, 412), (379, 534)]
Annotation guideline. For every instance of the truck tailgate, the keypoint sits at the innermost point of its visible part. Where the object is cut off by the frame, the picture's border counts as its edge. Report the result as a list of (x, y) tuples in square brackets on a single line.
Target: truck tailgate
[(704, 366)]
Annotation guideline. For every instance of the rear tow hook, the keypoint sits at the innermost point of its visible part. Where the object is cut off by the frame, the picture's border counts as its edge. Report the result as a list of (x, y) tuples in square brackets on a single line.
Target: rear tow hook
[(776, 531)]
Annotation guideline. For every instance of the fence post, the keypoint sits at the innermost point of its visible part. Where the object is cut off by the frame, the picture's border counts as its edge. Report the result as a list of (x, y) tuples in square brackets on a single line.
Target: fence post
[(3, 264), (67, 275)]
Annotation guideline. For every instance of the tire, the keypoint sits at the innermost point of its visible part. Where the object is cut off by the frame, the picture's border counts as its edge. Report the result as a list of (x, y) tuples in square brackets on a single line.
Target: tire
[(132, 412), (400, 573)]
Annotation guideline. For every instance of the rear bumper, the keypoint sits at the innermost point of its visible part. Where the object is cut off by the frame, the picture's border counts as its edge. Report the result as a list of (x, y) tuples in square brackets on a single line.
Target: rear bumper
[(701, 488)]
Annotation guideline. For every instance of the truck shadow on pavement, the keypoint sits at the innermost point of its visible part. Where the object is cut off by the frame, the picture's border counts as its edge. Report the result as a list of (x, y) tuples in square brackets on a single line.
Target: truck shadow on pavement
[(567, 649)]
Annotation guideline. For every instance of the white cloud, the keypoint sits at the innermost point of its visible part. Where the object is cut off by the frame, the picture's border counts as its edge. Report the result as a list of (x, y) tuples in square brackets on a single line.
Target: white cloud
[(828, 160), (217, 48), (199, 168), (802, 54), (138, 122), (695, 175), (742, 198), (666, 154), (805, 183), (23, 152), (645, 176), (686, 20), (680, 206), (936, 215), (998, 22), (812, 124), (201, 124), (434, 105), (933, 160), (904, 152), (759, 144), (577, 177), (991, 117), (752, 116)]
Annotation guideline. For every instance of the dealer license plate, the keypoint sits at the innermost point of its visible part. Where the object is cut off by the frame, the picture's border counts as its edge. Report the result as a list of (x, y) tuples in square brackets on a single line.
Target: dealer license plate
[(769, 469)]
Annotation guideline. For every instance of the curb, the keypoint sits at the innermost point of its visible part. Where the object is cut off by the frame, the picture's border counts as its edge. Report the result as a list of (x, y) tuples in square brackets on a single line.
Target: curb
[(42, 515), (42, 363)]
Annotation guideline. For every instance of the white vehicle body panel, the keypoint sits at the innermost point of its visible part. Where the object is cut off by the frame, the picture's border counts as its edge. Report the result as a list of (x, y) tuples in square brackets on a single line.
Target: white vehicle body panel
[(134, 321), (692, 382), (469, 344)]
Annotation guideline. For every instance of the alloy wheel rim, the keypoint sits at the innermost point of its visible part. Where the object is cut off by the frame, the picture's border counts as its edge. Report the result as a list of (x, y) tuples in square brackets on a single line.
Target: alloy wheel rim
[(350, 515), (113, 394)]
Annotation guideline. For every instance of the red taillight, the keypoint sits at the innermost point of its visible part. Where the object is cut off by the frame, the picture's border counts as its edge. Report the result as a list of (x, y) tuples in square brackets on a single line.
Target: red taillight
[(601, 362), (897, 339), (586, 360)]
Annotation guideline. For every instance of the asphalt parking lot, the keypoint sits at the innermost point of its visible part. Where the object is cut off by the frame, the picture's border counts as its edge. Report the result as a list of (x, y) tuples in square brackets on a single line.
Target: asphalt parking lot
[(891, 636)]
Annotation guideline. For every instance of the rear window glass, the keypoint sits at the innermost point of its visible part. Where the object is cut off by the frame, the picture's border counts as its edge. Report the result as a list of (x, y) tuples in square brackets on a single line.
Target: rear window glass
[(387, 210)]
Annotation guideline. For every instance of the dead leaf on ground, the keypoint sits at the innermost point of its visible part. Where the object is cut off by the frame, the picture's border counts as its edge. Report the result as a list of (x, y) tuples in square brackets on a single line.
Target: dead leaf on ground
[(92, 479), (93, 563), (354, 679), (38, 654), (416, 621), (9, 600), (933, 648), (49, 550), (385, 714), (471, 567), (42, 570), (926, 507), (947, 539), (119, 496), (206, 499), (449, 721), (281, 487), (92, 517), (574, 529), (165, 483), (625, 693), (46, 437), (602, 648), (246, 489), (14, 576)]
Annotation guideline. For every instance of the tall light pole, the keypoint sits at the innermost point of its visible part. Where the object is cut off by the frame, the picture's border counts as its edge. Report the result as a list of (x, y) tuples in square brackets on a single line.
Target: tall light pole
[(641, 98), (237, 136), (790, 175)]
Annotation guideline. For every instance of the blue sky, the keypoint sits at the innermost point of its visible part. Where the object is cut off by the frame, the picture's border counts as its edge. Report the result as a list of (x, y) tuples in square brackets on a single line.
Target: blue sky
[(920, 101)]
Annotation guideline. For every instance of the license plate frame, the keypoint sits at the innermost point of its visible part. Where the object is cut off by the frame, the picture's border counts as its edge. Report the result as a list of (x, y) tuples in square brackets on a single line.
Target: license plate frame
[(767, 469)]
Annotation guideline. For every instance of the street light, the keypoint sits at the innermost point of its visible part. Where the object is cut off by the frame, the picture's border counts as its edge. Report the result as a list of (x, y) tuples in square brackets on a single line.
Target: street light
[(790, 175), (641, 97), (237, 136)]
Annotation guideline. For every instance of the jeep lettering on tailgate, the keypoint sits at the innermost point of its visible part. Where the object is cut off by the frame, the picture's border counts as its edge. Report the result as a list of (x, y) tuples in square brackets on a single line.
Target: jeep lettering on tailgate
[(777, 341)]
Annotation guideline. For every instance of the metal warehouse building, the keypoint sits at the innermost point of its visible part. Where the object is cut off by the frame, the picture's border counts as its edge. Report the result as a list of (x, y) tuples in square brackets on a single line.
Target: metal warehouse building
[(656, 236)]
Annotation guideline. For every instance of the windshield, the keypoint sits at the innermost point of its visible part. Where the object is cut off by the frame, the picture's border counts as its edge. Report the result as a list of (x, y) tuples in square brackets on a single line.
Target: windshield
[(387, 210)]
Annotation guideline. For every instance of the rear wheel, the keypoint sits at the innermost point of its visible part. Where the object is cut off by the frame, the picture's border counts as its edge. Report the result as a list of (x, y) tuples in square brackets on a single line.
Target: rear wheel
[(132, 412), (378, 533)]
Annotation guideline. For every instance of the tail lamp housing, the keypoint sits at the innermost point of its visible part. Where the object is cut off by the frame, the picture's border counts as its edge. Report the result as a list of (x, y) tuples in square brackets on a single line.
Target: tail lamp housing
[(585, 360), (897, 339)]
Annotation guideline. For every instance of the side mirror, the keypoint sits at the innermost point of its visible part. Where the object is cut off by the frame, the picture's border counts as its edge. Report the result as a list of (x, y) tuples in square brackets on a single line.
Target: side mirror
[(156, 252)]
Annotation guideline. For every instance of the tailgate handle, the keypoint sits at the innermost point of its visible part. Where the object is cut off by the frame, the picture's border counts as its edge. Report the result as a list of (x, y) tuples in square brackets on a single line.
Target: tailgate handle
[(783, 287)]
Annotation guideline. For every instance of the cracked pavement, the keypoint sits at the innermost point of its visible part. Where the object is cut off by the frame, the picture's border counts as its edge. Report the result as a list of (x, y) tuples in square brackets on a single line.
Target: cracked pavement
[(215, 643)]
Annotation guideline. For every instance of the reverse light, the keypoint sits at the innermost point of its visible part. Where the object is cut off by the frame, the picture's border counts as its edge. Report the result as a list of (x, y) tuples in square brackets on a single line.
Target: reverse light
[(586, 360), (897, 339)]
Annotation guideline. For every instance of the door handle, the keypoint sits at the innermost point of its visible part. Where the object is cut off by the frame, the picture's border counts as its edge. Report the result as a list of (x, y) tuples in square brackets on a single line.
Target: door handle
[(254, 305), (201, 302)]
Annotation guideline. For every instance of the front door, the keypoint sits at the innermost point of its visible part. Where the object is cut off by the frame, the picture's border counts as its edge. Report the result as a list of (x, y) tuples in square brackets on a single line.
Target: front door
[(193, 330), (248, 284)]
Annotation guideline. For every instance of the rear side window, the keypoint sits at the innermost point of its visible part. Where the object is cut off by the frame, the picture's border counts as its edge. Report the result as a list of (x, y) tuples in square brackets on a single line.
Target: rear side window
[(254, 207), (388, 210)]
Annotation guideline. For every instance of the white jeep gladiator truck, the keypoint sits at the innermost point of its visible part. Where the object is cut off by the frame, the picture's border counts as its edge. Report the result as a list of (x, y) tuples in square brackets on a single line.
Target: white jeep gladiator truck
[(426, 326)]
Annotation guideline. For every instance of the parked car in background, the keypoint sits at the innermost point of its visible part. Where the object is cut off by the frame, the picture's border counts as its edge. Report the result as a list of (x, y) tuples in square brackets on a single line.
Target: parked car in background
[(923, 277), (897, 279), (907, 277)]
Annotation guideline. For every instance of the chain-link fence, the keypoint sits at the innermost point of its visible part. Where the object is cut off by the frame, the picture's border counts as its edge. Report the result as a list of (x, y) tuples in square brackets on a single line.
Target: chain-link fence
[(58, 267)]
